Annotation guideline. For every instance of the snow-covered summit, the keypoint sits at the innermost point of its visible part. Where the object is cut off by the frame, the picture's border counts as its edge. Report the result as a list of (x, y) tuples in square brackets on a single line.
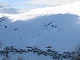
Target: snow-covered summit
[(72, 8)]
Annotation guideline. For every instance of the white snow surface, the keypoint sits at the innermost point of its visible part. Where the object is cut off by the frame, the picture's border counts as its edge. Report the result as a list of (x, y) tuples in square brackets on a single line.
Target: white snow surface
[(58, 27), (72, 8)]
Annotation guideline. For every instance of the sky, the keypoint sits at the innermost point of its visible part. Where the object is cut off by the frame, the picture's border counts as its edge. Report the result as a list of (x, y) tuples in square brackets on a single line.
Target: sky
[(32, 4)]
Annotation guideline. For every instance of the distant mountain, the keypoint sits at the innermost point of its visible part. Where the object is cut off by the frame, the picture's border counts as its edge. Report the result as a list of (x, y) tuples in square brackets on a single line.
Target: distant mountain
[(9, 10)]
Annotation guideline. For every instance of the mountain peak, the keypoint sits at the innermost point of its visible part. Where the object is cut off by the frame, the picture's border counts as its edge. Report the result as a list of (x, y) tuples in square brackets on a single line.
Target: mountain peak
[(71, 8)]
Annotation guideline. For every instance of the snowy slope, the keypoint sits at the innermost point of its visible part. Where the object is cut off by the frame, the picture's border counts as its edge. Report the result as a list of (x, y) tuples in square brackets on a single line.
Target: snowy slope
[(72, 8), (55, 30), (58, 27)]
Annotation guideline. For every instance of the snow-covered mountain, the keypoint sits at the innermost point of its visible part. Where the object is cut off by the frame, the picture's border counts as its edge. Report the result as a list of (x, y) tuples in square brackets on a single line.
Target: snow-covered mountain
[(58, 27), (9, 10)]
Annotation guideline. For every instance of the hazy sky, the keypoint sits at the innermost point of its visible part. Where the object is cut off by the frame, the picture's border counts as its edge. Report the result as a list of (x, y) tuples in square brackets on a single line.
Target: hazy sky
[(30, 4)]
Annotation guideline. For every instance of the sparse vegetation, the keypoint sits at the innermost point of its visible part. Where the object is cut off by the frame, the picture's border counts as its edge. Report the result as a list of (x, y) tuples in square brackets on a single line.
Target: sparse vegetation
[(0, 42), (49, 52), (15, 28), (5, 26), (77, 57), (20, 58)]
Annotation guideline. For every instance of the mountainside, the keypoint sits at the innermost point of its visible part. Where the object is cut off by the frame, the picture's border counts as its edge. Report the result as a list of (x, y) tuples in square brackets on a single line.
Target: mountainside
[(60, 31), (58, 28)]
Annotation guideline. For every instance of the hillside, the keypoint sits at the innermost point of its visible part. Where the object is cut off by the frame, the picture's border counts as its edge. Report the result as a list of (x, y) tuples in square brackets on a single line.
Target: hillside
[(54, 26)]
